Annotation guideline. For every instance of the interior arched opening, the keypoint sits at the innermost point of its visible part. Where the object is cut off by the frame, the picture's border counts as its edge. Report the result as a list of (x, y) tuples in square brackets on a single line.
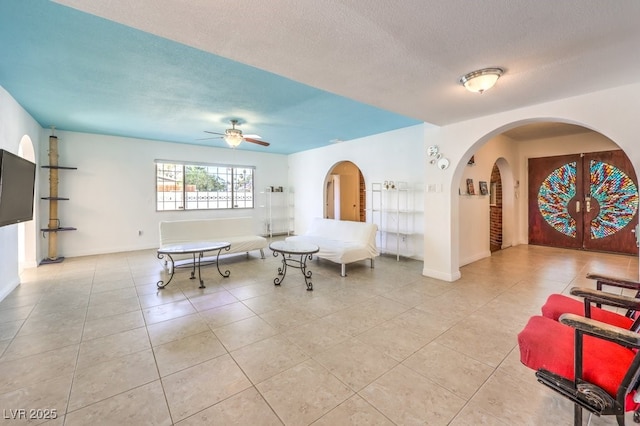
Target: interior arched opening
[(512, 150), (345, 193), (27, 230)]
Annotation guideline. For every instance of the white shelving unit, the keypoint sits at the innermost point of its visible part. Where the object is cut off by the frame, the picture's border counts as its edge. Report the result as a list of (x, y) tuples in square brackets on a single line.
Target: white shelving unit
[(276, 211), (391, 210), (290, 211)]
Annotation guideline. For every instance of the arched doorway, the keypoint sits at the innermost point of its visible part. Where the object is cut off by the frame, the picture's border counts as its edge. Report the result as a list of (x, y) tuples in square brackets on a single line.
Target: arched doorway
[(511, 150), (495, 209), (27, 230), (345, 193)]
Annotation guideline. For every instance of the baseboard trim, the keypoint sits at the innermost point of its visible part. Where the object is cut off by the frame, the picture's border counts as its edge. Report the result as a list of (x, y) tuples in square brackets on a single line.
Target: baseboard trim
[(475, 257), (440, 275), (4, 292)]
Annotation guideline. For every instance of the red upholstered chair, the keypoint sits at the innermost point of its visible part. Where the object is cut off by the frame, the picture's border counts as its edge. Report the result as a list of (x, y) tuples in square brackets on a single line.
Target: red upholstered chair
[(568, 338), (558, 304), (593, 364)]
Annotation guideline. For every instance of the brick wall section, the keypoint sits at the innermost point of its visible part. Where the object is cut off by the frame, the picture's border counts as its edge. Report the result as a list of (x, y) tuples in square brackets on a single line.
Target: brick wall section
[(363, 198), (495, 213)]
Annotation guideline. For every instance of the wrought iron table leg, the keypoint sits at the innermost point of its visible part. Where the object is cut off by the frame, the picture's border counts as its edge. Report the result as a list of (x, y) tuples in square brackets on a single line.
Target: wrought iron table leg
[(199, 275), (305, 273), (282, 272), (294, 263), (193, 267), (161, 284), (226, 273)]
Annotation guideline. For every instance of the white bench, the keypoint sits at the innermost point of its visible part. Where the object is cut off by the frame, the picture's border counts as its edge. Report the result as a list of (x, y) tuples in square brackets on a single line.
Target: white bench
[(236, 230), (341, 241)]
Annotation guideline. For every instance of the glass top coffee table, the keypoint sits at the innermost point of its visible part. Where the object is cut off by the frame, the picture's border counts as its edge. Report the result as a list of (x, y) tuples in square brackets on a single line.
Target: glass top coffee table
[(195, 248), (288, 249)]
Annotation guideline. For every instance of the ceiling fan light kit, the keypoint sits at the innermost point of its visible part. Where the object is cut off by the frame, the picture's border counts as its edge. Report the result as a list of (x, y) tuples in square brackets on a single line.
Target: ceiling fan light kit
[(481, 80), (234, 137)]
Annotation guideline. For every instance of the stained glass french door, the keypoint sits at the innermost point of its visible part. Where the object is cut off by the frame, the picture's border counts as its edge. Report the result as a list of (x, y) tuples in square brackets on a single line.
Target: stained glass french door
[(586, 201)]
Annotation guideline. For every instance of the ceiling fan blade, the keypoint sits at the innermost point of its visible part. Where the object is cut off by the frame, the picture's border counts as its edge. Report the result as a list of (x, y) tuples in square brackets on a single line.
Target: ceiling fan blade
[(256, 141), (214, 133), (206, 139)]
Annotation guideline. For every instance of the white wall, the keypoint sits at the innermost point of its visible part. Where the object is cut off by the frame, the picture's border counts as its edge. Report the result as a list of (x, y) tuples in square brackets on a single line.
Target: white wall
[(15, 123), (397, 155), (612, 113), (112, 194)]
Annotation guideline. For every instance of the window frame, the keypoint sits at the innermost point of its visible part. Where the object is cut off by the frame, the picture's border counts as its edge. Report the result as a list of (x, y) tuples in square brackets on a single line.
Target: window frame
[(235, 169)]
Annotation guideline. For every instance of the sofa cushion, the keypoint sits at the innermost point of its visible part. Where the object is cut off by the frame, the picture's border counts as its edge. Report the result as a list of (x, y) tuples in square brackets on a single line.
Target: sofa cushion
[(238, 231), (342, 230), (336, 251), (180, 231), (341, 241)]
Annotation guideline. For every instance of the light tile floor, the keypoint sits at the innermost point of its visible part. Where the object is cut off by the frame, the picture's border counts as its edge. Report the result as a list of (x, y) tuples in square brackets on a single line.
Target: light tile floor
[(94, 339)]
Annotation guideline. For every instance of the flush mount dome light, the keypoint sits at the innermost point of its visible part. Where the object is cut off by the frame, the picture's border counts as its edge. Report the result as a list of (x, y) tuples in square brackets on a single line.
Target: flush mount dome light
[(481, 80)]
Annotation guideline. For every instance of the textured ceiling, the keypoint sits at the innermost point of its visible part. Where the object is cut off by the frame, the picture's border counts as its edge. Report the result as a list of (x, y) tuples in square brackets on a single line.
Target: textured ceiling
[(315, 70), (544, 130)]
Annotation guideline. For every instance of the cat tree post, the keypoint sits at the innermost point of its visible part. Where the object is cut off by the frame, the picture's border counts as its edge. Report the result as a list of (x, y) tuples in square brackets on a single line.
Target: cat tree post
[(54, 223), (54, 226)]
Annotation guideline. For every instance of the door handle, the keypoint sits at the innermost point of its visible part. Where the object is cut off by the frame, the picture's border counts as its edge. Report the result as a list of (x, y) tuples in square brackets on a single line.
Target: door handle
[(587, 204), (577, 206)]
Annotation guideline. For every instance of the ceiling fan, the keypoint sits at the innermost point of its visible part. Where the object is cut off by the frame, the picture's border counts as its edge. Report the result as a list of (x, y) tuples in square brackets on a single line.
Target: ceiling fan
[(234, 136)]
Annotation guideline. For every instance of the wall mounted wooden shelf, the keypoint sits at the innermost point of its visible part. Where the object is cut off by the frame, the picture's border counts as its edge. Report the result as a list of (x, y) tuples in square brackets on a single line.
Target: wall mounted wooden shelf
[(59, 167), (62, 228)]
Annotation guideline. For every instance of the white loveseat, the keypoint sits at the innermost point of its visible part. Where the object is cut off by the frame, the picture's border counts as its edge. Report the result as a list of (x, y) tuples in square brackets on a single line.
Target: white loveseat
[(238, 231), (341, 241)]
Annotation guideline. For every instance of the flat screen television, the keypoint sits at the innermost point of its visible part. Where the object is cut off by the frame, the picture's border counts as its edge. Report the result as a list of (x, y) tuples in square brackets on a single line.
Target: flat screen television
[(17, 184)]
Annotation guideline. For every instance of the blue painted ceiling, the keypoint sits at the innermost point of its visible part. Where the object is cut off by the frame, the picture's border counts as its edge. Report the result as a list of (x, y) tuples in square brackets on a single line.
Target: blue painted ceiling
[(82, 73)]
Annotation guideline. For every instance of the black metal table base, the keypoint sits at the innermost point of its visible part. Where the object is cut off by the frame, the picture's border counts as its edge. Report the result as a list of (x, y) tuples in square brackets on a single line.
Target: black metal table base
[(196, 263), (291, 261)]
